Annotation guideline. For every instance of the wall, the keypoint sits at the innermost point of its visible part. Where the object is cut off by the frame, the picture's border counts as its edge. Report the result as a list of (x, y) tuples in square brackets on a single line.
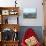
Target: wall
[(27, 4), (7, 3), (37, 29), (32, 4)]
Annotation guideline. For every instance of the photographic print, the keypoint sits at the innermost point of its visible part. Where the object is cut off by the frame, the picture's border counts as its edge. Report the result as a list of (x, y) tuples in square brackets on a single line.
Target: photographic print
[(29, 13)]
